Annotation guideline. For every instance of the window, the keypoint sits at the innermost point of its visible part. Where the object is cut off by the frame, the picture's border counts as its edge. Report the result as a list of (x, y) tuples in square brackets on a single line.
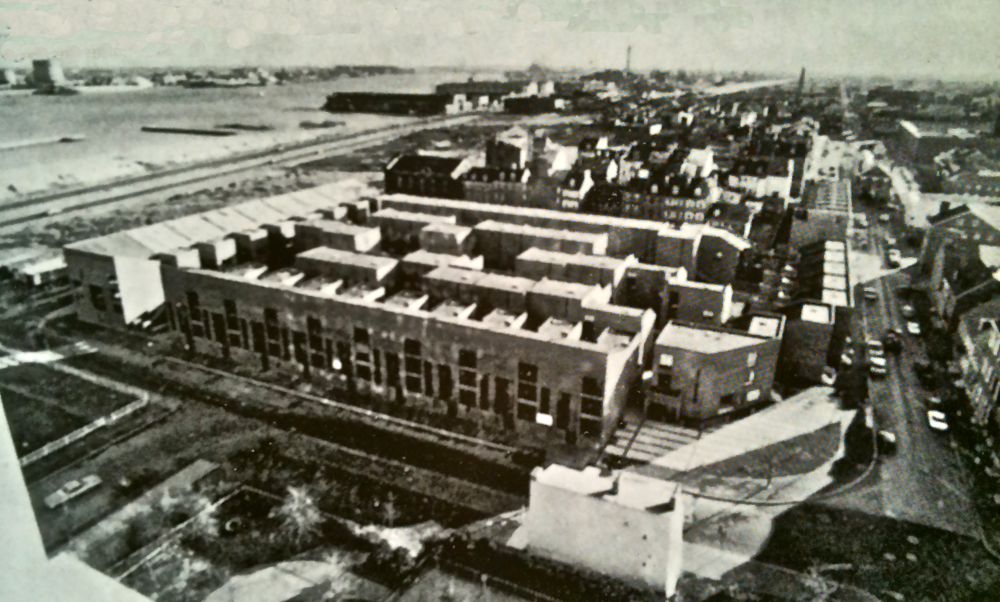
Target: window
[(97, 298), (467, 397), (361, 336), (411, 347), (467, 358), (707, 313), (753, 395), (666, 360), (412, 365), (751, 359), (591, 406), (232, 320), (194, 306), (592, 387), (467, 378), (750, 377)]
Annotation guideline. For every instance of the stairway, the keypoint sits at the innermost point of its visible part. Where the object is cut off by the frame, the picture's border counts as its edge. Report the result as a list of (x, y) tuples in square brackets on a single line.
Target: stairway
[(653, 440)]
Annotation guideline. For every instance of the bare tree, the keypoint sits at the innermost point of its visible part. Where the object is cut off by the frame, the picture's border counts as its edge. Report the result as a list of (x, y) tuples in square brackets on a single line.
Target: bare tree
[(299, 514)]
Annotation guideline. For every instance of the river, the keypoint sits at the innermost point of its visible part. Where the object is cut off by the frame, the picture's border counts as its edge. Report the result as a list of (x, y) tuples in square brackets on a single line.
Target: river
[(114, 146)]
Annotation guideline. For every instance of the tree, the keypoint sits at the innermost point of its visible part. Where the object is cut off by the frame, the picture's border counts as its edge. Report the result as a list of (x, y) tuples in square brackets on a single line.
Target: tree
[(299, 515)]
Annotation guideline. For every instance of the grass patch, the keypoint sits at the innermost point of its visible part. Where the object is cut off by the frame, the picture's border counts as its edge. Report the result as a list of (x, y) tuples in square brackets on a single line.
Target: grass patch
[(34, 422), (75, 395), (798, 455), (940, 566)]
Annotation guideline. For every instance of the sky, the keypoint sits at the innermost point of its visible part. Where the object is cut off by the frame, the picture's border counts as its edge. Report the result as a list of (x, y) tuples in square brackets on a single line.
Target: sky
[(926, 38)]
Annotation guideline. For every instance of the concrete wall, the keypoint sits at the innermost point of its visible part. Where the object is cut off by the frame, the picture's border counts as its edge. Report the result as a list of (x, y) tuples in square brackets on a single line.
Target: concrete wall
[(628, 543), (130, 288)]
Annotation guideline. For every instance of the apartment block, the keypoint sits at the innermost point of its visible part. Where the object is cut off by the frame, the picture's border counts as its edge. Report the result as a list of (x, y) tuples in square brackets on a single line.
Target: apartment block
[(701, 371)]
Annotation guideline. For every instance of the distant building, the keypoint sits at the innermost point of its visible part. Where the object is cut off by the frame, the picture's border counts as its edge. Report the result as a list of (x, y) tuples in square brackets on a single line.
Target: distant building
[(762, 177), (512, 148), (396, 103), (496, 185), (964, 226), (47, 72), (962, 277), (10, 77), (920, 143), (701, 372), (426, 175), (574, 189), (979, 336), (624, 525)]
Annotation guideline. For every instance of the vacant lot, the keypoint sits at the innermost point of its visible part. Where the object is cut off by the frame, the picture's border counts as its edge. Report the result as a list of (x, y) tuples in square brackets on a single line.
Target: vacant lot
[(74, 395), (883, 555), (35, 421)]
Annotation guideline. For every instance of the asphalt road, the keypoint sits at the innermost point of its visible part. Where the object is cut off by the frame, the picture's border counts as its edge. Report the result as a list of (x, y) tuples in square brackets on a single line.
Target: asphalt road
[(924, 482)]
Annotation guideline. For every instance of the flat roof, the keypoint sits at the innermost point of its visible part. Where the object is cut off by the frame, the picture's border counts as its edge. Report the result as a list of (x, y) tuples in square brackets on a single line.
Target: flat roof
[(837, 298), (819, 314), (507, 283), (511, 228), (342, 257), (528, 212), (765, 326), (581, 259), (627, 489), (335, 226), (500, 318), (452, 274), (693, 337), (558, 288), (413, 216)]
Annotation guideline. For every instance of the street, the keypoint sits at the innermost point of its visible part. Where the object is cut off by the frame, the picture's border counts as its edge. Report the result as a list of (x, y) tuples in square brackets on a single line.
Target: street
[(923, 481)]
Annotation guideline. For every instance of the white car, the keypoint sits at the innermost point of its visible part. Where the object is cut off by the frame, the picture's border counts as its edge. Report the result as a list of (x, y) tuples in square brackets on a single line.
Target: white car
[(829, 376), (913, 328), (884, 218), (875, 348), (72, 489), (937, 420), (908, 311), (870, 294)]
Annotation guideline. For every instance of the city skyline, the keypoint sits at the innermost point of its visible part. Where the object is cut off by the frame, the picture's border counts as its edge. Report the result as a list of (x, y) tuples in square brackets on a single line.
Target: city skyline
[(925, 40)]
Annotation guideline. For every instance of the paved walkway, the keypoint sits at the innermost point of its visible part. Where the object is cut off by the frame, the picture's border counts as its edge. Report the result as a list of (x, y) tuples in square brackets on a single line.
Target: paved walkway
[(48, 356), (804, 413)]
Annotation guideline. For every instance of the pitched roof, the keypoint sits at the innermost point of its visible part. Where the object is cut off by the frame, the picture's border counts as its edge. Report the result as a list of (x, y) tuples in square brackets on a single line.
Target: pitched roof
[(424, 163)]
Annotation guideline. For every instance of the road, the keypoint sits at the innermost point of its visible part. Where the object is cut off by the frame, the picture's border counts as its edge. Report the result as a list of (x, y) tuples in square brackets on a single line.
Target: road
[(13, 215), (924, 482)]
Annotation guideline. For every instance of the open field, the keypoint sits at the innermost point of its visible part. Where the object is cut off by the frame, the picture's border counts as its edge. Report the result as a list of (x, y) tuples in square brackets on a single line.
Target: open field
[(883, 555), (35, 421), (76, 396)]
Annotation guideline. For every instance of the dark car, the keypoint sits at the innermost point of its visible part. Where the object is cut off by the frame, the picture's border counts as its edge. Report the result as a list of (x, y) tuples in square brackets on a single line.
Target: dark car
[(892, 341)]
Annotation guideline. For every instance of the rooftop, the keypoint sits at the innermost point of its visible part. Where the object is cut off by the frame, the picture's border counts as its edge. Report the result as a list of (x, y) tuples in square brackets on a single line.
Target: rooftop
[(340, 257), (627, 489), (413, 216), (426, 164), (170, 235), (699, 339), (580, 259)]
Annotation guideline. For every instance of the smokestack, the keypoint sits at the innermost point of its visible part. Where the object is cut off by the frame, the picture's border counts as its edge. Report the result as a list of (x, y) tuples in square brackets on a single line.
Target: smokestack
[(802, 84), (628, 59)]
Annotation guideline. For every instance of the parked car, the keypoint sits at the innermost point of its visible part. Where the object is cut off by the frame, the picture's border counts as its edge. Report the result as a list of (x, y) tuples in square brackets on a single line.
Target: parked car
[(934, 400), (913, 328), (847, 357), (937, 420), (893, 344), (884, 218), (908, 311), (875, 348), (870, 294), (886, 443), (893, 257), (829, 376), (877, 367), (71, 490)]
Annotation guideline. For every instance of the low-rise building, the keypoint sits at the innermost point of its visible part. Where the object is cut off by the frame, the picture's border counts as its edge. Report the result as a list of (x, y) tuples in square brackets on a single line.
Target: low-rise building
[(426, 175), (625, 525), (495, 185), (979, 340), (701, 372)]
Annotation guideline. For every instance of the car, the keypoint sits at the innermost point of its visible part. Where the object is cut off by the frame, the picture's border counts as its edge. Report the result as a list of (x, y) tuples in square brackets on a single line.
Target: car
[(893, 257), (937, 420), (884, 218), (870, 294), (877, 368), (886, 442), (908, 311), (875, 348), (892, 341), (934, 400), (829, 376), (890, 240), (71, 490), (913, 328), (847, 357)]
